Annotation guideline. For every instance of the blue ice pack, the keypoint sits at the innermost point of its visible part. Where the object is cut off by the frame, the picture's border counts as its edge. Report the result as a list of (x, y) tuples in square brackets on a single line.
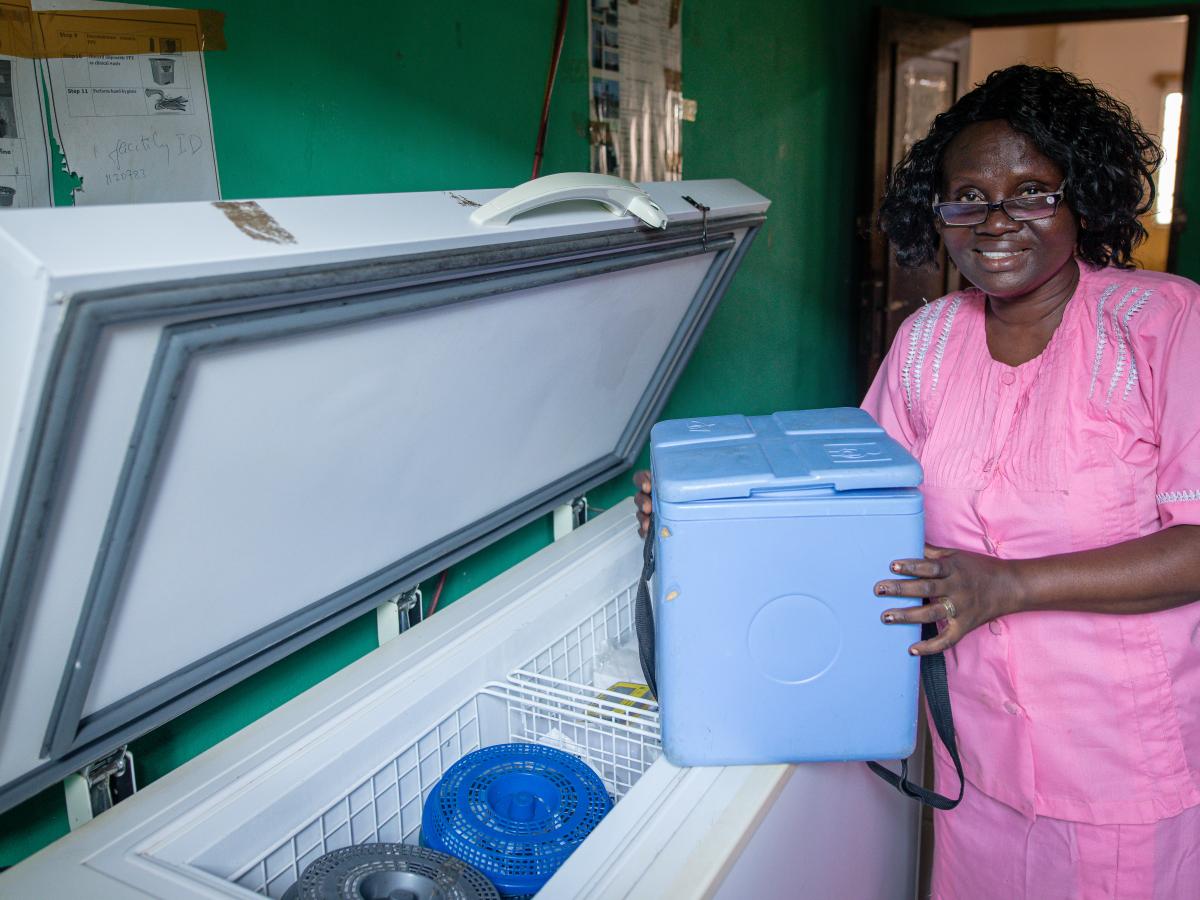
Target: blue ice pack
[(771, 532)]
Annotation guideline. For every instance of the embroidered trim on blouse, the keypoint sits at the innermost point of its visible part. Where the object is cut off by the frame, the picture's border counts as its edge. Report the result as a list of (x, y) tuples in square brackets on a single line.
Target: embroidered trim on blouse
[(913, 337), (920, 339), (1129, 314), (1122, 345), (1178, 497), (941, 344), (926, 339), (1101, 336)]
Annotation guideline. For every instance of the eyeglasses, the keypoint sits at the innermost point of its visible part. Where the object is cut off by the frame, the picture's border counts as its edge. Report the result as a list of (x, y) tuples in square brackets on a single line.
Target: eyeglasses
[(1025, 208)]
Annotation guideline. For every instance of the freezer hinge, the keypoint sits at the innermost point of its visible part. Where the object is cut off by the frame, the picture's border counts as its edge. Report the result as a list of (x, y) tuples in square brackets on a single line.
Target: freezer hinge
[(395, 616), (570, 516), (98, 786)]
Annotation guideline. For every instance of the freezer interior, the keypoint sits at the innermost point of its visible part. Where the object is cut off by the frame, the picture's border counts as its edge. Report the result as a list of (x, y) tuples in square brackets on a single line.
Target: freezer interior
[(365, 778)]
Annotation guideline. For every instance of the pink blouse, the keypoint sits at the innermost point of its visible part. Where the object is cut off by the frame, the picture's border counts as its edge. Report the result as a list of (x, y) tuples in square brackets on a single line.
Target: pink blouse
[(1081, 716)]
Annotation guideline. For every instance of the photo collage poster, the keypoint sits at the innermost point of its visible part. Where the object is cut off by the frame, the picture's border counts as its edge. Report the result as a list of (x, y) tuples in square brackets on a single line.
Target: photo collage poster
[(636, 83)]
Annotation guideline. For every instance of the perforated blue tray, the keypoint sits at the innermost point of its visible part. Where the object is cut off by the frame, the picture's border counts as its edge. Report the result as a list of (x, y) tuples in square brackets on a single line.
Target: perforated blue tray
[(515, 812)]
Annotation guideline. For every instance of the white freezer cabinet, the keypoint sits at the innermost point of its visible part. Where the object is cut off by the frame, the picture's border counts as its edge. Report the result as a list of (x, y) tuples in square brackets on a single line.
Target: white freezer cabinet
[(216, 448), (352, 760)]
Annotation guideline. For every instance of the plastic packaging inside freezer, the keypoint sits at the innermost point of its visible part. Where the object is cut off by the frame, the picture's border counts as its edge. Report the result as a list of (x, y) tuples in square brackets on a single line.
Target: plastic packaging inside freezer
[(553, 699)]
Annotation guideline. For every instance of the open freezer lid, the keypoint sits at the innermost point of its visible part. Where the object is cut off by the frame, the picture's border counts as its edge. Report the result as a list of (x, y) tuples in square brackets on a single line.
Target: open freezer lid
[(226, 430)]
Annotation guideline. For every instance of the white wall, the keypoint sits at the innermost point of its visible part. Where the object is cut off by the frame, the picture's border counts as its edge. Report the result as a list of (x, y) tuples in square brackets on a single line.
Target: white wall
[(1128, 58)]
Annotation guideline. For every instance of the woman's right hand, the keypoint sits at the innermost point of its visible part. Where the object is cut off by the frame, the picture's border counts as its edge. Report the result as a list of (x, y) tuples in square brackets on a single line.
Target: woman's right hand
[(641, 481)]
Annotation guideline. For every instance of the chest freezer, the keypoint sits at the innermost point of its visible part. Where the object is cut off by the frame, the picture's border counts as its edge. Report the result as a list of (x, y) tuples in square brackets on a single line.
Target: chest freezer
[(227, 429)]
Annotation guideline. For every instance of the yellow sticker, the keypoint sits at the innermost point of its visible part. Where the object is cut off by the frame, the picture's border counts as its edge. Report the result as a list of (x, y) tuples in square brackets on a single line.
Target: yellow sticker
[(638, 700)]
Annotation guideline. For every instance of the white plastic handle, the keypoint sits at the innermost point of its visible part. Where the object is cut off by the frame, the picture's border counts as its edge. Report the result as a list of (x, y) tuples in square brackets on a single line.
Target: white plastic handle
[(621, 197)]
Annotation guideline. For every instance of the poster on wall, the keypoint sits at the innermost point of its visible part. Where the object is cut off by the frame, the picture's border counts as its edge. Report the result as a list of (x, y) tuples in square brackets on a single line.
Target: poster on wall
[(129, 101), (636, 82), (24, 149)]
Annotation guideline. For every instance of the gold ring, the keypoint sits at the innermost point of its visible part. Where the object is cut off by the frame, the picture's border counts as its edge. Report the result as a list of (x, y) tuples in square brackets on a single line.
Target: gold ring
[(948, 605)]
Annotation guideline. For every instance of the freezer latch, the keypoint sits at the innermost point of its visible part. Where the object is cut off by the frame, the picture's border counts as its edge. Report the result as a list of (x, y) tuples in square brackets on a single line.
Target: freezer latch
[(395, 616), (704, 210), (99, 786)]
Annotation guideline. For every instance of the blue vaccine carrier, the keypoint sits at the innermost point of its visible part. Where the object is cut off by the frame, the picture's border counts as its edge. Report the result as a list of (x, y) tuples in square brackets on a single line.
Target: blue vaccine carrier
[(771, 532)]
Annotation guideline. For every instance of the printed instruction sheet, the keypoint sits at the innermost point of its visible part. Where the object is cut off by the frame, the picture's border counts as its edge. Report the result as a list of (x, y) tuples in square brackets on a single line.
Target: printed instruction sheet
[(129, 102), (636, 88), (24, 149)]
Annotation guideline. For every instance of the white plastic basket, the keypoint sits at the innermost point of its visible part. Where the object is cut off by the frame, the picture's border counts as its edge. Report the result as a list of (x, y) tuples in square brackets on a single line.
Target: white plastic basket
[(547, 701)]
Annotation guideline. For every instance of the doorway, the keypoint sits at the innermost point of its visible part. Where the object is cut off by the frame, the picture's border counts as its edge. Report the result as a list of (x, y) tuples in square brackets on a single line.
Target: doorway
[(1139, 61), (923, 64)]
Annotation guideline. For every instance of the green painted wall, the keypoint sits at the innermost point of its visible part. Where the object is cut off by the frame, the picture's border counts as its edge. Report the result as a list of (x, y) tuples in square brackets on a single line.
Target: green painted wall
[(412, 96)]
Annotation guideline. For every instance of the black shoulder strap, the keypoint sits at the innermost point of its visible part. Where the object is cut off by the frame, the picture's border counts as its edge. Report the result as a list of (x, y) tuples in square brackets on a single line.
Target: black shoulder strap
[(937, 695), (643, 612), (933, 678)]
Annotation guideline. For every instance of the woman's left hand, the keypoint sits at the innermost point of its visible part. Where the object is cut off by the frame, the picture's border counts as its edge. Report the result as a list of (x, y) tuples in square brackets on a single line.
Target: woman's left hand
[(963, 589)]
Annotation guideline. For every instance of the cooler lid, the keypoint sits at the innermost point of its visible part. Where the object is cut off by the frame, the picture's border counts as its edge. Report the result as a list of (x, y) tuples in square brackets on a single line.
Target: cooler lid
[(727, 457), (227, 429)]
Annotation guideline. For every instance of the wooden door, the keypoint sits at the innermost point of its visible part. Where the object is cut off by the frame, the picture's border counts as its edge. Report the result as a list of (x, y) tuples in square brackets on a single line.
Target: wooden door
[(921, 69)]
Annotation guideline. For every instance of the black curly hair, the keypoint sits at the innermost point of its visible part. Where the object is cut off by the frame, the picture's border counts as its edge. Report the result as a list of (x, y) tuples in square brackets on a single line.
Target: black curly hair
[(1108, 158)]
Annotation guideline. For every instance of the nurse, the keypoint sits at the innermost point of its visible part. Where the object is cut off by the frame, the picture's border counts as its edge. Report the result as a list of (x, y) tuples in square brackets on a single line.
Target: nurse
[(1055, 408)]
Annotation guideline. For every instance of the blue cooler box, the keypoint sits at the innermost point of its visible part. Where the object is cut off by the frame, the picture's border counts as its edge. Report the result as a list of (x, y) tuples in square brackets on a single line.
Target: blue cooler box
[(771, 534)]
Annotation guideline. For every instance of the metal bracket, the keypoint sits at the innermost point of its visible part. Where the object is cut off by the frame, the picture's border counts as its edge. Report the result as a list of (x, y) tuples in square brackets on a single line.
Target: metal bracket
[(98, 786), (570, 516), (395, 616)]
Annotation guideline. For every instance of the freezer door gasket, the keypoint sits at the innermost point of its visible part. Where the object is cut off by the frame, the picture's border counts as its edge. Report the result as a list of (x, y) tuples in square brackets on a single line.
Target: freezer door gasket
[(214, 314)]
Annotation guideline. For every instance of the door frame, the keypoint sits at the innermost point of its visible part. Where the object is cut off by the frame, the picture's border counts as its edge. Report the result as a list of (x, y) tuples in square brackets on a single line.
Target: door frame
[(892, 28)]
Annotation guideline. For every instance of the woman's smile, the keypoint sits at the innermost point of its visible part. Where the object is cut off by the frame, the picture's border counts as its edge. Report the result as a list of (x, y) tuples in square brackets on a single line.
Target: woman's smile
[(1000, 259)]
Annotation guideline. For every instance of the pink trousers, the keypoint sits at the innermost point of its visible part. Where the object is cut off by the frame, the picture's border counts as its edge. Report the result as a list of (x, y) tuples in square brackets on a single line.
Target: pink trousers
[(985, 850)]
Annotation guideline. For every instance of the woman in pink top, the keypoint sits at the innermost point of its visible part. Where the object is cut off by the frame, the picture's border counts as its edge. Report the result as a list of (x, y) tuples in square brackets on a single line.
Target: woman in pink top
[(1055, 409)]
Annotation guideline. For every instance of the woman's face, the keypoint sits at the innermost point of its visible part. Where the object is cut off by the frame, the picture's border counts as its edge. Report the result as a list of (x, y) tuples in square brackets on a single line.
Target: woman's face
[(1005, 259)]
